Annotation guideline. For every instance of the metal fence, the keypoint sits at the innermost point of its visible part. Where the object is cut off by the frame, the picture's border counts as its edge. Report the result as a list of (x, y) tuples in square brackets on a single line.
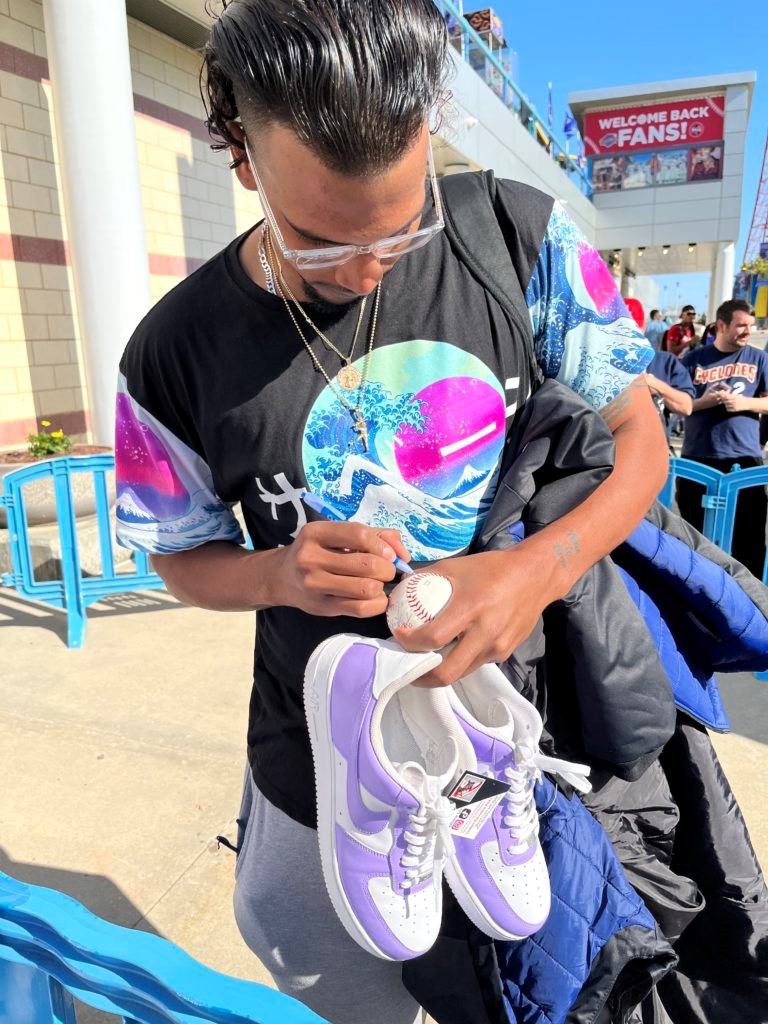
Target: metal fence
[(76, 590)]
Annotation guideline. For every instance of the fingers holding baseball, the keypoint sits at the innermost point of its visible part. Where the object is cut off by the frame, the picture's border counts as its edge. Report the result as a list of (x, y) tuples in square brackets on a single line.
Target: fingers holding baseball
[(486, 606)]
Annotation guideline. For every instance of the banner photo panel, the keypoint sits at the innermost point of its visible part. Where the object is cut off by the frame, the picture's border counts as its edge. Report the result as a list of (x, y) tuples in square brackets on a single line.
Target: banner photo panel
[(672, 167)]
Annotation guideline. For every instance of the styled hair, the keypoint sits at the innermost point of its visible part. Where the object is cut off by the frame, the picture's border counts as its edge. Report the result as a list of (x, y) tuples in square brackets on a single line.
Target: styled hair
[(354, 79), (729, 307)]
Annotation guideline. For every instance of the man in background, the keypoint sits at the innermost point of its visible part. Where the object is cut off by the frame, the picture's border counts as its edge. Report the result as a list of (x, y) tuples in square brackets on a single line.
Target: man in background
[(731, 381), (671, 388), (654, 329), (681, 335)]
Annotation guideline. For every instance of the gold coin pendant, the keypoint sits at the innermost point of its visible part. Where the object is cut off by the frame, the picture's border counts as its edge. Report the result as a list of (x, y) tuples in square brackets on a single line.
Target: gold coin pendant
[(349, 378)]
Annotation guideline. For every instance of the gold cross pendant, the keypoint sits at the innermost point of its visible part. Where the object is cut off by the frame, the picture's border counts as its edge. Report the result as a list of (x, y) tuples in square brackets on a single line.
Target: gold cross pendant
[(360, 427)]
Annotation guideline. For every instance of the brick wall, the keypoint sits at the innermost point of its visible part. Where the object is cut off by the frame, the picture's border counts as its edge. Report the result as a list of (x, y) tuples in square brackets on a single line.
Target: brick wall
[(192, 207)]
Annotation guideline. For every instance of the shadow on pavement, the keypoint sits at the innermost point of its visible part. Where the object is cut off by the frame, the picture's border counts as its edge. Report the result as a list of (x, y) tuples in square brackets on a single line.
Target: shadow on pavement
[(16, 611), (746, 701)]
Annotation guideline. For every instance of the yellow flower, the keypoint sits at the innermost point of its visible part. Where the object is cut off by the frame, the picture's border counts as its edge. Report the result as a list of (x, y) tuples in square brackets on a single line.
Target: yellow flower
[(45, 423), (57, 433)]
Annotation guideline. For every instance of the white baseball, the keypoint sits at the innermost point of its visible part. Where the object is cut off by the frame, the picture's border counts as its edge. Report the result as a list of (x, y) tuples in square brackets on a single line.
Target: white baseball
[(417, 600)]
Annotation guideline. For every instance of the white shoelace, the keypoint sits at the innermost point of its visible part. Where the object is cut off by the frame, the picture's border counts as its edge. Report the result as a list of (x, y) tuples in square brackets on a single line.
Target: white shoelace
[(521, 816), (428, 836)]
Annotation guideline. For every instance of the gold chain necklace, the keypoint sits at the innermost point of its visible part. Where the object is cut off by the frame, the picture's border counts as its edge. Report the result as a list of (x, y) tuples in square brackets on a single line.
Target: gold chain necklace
[(358, 421), (348, 376)]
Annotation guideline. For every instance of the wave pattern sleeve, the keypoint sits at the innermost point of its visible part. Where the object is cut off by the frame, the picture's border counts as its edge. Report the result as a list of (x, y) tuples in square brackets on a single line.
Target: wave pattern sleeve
[(584, 335), (165, 497)]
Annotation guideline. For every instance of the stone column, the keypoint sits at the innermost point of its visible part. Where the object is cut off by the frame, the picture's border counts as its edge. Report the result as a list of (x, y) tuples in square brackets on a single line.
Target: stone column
[(87, 43)]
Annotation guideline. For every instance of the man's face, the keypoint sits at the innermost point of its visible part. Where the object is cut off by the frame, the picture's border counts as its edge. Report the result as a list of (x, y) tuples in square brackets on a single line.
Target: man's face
[(736, 334), (687, 317), (315, 206)]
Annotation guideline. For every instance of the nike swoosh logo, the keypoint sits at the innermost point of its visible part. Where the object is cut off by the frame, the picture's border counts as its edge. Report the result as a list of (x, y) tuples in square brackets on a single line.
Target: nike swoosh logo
[(348, 791)]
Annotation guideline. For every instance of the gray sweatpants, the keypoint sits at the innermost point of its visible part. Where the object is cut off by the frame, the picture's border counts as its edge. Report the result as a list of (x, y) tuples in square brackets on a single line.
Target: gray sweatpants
[(287, 919)]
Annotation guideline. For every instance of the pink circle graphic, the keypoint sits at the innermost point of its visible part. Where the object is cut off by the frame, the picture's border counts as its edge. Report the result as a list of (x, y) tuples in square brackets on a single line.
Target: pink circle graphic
[(598, 279), (464, 421)]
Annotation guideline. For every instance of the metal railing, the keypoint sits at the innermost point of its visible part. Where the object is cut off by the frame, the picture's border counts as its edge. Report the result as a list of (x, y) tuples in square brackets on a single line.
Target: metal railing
[(465, 41), (74, 591), (721, 493)]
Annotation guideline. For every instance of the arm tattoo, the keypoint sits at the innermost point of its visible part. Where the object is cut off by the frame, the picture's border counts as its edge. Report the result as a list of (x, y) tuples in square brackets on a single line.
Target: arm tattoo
[(615, 409), (572, 546)]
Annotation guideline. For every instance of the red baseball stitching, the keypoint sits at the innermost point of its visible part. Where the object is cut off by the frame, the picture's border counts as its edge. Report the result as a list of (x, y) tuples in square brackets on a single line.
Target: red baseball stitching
[(411, 596)]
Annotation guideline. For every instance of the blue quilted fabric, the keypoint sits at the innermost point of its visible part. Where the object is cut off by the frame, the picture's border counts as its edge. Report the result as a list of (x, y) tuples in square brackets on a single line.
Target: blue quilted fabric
[(721, 628), (695, 691), (700, 618), (591, 902)]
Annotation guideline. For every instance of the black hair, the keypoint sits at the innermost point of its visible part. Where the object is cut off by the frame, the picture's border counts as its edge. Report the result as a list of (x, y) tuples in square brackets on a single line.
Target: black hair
[(654, 312), (687, 309), (355, 79), (726, 310)]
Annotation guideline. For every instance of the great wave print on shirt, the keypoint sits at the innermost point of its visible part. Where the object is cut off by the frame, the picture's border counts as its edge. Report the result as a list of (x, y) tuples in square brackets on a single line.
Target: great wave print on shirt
[(436, 424), (165, 499)]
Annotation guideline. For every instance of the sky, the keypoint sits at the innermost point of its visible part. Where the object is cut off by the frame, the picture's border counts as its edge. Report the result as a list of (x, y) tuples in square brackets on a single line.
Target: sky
[(596, 45)]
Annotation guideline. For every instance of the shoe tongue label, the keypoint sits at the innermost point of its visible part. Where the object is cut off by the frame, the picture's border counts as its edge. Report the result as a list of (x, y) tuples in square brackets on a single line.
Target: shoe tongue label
[(475, 797)]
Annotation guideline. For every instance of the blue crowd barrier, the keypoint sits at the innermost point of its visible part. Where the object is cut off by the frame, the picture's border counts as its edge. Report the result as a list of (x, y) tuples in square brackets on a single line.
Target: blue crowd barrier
[(719, 500), (74, 591), (53, 951)]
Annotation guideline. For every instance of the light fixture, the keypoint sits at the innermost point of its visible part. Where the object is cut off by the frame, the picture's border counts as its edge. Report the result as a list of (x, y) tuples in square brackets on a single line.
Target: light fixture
[(664, 250), (691, 247), (641, 250)]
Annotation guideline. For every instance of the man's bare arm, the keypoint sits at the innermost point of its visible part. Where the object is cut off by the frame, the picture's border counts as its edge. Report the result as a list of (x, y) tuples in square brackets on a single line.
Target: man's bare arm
[(330, 569), (675, 400), (498, 596)]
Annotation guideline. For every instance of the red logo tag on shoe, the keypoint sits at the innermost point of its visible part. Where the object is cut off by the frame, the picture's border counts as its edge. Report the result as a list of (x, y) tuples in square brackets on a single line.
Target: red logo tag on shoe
[(476, 797)]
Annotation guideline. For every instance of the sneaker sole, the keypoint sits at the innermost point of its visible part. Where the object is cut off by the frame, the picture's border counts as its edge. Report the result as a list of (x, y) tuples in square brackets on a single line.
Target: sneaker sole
[(317, 706), (474, 911)]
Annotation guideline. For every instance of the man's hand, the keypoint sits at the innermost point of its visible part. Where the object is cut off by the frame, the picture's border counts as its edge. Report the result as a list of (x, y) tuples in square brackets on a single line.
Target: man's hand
[(733, 402), (337, 569), (712, 397), (496, 601), (654, 383)]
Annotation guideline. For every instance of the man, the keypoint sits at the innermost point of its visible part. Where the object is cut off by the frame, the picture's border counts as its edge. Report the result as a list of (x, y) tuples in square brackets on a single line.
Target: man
[(655, 328), (682, 334), (341, 346), (671, 387), (731, 381)]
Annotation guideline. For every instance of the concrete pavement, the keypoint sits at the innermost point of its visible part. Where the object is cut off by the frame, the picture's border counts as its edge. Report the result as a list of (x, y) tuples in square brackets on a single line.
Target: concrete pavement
[(121, 763)]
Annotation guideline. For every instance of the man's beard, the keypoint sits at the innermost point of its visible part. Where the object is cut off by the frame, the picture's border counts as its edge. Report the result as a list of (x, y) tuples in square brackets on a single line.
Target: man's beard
[(322, 305)]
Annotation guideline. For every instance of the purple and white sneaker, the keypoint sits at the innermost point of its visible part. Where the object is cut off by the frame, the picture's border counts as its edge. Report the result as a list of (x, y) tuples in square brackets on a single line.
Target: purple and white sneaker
[(384, 752), (500, 877)]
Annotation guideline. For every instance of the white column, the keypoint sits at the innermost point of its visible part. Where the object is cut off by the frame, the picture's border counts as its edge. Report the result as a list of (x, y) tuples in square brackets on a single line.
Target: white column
[(722, 276), (87, 43)]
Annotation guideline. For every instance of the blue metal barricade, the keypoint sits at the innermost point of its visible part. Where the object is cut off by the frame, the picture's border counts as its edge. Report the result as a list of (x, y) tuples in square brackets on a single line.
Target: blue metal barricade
[(719, 500), (53, 951), (74, 591)]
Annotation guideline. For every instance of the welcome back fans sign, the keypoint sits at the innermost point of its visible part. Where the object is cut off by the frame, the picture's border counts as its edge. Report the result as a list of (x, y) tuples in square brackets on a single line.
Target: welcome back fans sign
[(691, 121), (655, 144)]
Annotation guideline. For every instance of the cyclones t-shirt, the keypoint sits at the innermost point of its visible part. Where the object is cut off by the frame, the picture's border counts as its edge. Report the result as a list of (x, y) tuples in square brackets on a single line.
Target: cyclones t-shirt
[(220, 403), (716, 433)]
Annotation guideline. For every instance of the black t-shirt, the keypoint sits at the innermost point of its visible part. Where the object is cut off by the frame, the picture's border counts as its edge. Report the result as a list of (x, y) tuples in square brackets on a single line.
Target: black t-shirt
[(219, 403)]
